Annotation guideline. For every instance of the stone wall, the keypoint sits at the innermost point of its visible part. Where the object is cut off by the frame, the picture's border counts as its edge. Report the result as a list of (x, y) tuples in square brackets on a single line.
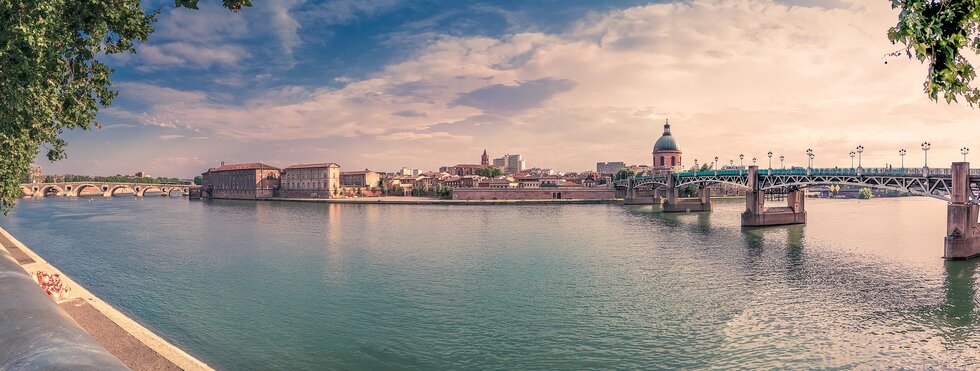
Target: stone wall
[(533, 194)]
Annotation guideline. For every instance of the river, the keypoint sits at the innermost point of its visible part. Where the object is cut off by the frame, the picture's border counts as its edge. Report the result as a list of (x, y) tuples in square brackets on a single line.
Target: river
[(261, 285)]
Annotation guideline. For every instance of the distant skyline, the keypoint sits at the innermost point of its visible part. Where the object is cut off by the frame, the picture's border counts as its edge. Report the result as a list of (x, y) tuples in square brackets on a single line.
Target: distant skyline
[(383, 84)]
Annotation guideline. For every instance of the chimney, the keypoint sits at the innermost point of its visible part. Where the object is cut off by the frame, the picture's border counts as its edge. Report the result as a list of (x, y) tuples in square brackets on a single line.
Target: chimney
[(222, 163)]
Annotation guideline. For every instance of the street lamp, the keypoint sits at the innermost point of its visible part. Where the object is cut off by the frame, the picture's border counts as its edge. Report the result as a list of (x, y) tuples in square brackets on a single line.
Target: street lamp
[(770, 160), (860, 149), (740, 158), (809, 154), (781, 158), (715, 164), (964, 151), (902, 153), (731, 163), (925, 151), (852, 154), (753, 161), (696, 168)]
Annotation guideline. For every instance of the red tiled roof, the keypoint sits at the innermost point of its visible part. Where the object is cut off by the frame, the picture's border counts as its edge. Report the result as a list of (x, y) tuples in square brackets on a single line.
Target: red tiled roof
[(248, 166), (355, 172), (308, 166)]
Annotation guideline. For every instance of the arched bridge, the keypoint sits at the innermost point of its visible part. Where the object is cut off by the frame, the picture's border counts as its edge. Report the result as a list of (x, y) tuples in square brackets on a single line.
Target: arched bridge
[(959, 185), (107, 189)]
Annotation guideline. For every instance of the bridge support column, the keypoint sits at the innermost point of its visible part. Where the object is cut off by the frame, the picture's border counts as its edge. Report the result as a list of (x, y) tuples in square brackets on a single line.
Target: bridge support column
[(962, 232), (758, 215), (636, 196), (673, 204)]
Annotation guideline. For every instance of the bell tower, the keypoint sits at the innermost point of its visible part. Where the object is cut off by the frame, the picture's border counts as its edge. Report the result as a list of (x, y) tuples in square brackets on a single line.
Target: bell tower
[(485, 159)]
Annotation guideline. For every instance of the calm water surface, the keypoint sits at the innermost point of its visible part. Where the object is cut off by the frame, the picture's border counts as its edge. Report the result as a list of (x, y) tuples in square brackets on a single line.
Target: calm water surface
[(263, 285)]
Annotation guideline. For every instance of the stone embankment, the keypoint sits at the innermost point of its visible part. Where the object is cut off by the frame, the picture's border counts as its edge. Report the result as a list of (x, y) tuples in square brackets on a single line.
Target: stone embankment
[(59, 329)]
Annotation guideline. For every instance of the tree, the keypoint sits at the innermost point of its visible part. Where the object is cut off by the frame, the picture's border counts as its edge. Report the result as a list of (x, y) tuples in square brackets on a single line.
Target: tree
[(937, 33), (864, 193), (489, 172), (52, 78), (198, 180), (624, 173)]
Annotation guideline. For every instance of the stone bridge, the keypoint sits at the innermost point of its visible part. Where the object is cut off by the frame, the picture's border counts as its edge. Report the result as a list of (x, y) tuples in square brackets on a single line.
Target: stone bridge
[(959, 186), (107, 189)]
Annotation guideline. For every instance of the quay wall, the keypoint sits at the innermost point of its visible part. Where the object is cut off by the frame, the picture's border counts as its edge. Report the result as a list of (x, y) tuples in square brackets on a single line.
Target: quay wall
[(533, 193)]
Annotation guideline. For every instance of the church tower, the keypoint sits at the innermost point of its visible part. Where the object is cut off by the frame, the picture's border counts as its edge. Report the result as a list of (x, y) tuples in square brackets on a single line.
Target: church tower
[(485, 159)]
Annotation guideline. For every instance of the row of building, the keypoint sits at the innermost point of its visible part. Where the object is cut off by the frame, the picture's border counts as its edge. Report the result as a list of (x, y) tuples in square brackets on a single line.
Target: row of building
[(325, 180)]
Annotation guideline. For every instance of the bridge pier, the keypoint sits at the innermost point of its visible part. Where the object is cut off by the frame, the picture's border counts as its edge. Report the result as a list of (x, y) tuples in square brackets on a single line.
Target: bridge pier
[(962, 231), (758, 215), (675, 204), (636, 196)]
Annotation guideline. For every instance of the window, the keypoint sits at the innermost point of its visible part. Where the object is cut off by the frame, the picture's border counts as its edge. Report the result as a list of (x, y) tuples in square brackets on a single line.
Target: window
[(673, 161), (661, 160)]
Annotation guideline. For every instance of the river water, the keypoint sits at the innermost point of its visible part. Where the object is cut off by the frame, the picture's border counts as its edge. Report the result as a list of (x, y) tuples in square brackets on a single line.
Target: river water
[(260, 285)]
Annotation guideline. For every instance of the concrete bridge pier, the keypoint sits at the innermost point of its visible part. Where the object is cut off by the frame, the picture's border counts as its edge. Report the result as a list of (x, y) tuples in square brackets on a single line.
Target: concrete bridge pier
[(675, 204), (962, 232), (636, 196), (758, 215)]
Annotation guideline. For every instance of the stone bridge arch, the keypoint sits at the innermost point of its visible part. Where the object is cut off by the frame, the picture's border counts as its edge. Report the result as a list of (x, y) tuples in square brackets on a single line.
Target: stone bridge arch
[(78, 188), (26, 191), (43, 190), (109, 191)]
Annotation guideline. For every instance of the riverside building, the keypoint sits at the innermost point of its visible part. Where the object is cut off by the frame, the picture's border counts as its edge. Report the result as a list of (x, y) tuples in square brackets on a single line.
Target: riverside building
[(311, 181), (240, 181)]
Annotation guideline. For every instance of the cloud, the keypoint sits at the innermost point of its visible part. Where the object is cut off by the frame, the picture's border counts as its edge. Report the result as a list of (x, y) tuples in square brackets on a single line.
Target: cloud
[(179, 54), (170, 137), (504, 99), (745, 76)]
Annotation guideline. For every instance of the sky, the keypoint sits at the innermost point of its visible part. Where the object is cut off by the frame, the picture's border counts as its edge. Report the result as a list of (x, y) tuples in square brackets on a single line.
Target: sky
[(386, 84)]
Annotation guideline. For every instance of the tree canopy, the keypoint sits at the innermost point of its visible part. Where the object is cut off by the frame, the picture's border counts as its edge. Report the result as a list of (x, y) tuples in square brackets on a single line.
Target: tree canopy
[(937, 32), (489, 172), (52, 77)]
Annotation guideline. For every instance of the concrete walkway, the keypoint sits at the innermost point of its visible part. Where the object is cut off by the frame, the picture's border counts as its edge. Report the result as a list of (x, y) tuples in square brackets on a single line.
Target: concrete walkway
[(130, 342)]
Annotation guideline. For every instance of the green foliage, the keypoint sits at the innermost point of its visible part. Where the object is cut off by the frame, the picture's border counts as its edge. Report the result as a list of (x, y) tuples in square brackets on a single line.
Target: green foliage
[(864, 193), (51, 76), (489, 172), (937, 33), (444, 192), (198, 180), (624, 173)]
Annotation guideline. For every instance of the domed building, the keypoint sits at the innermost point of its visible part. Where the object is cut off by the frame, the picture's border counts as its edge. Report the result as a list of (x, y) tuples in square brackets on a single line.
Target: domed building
[(666, 153)]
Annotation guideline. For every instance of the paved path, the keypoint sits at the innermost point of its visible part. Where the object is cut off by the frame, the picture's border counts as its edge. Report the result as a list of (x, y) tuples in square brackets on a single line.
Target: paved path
[(130, 342)]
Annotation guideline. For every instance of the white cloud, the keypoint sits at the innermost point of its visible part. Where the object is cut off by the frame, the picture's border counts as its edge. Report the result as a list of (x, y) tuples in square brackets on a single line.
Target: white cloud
[(743, 76), (185, 55)]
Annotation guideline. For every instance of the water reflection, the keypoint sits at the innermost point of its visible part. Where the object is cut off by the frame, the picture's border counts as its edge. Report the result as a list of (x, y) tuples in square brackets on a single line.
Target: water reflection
[(958, 308)]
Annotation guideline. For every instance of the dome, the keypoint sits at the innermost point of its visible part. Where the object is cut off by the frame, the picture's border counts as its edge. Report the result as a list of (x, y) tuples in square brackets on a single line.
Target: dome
[(666, 142)]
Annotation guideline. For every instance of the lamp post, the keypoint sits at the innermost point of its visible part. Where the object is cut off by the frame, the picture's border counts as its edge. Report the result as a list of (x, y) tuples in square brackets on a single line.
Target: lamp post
[(859, 150), (731, 163), (925, 151), (696, 168), (852, 159), (964, 151), (753, 161), (809, 154), (781, 158), (902, 153), (770, 160), (740, 158), (715, 164)]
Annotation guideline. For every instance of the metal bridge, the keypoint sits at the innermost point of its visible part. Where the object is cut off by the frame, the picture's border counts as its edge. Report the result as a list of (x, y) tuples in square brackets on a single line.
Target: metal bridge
[(959, 185), (934, 183)]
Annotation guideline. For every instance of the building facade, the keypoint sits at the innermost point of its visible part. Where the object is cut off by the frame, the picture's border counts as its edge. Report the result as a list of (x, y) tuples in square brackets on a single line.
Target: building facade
[(364, 178), (666, 153), (310, 180), (609, 168), (510, 164), (240, 181)]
